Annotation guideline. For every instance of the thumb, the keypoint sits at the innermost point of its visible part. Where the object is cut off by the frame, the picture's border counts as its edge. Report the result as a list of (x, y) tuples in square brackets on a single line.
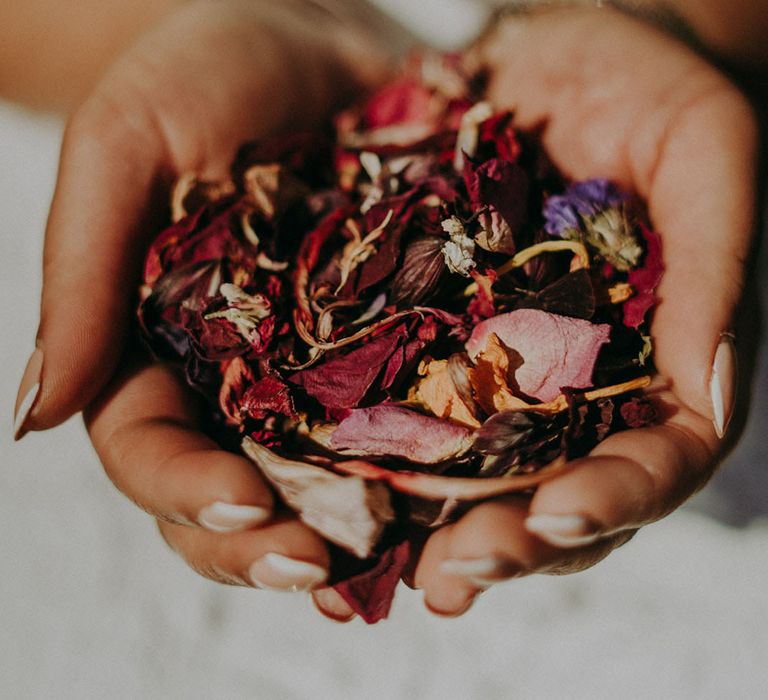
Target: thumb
[(702, 198), (109, 168), (640, 108)]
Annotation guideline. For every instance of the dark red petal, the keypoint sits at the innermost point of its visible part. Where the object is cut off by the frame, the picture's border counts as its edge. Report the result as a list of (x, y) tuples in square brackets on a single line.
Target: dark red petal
[(343, 381), (370, 594), (644, 281)]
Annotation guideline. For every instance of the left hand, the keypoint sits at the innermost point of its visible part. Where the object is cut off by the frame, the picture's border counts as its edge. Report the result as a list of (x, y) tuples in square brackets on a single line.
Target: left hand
[(622, 100)]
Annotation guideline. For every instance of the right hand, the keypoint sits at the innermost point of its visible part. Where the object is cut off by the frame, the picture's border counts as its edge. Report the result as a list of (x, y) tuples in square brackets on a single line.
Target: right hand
[(181, 99)]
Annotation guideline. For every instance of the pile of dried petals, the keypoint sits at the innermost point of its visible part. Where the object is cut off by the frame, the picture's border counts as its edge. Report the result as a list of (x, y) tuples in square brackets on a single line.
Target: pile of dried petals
[(405, 317)]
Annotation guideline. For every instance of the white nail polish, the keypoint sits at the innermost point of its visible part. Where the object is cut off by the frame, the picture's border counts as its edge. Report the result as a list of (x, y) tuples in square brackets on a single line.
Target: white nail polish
[(228, 517), (563, 530), (722, 384), (481, 572), (24, 408), (29, 390), (276, 572)]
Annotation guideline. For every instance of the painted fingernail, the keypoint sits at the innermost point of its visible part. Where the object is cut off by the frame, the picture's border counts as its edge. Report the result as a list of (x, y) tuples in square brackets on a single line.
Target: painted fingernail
[(563, 530), (332, 605), (455, 612), (276, 572), (481, 573), (722, 383), (228, 517), (29, 390)]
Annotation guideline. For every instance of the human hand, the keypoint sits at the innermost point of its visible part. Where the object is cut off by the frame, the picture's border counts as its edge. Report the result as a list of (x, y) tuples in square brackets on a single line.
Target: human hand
[(181, 99), (621, 100)]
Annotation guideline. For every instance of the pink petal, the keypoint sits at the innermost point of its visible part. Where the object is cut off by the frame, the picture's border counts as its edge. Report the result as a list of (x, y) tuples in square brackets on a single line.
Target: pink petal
[(556, 351), (399, 432)]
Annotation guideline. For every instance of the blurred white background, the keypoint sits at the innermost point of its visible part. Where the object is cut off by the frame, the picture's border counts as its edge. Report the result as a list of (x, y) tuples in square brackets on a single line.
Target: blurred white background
[(93, 605)]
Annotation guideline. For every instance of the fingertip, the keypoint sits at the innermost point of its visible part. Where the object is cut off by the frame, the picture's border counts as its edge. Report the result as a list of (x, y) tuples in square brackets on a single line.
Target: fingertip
[(330, 604), (28, 395), (456, 607)]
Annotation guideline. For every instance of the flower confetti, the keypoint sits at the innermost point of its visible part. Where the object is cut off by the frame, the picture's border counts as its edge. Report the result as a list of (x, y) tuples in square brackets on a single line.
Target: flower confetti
[(404, 315)]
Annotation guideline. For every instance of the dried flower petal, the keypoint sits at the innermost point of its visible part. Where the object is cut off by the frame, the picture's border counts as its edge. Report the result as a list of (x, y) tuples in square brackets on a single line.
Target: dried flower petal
[(563, 213), (399, 432), (491, 375), (644, 281), (418, 278), (556, 351), (346, 510), (438, 392), (370, 594), (436, 487), (459, 250), (343, 381)]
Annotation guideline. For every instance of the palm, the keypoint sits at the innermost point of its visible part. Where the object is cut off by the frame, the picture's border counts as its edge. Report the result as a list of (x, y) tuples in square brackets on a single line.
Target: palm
[(619, 100), (181, 99)]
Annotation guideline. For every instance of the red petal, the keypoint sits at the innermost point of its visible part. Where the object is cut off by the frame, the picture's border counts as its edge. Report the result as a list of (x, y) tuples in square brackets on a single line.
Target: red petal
[(370, 594), (644, 281)]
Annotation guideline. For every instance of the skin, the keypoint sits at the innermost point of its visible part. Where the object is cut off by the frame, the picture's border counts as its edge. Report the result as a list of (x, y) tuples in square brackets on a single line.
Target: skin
[(619, 99)]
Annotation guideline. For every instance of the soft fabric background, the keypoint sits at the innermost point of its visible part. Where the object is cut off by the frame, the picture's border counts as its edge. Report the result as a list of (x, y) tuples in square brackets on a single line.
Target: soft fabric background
[(93, 605)]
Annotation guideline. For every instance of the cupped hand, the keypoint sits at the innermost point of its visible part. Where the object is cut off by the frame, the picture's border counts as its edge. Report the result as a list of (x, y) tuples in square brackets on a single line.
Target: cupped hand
[(181, 99), (622, 100)]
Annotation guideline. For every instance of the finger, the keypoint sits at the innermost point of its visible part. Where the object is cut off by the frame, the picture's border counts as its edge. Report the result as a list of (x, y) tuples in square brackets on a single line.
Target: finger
[(174, 102), (284, 555), (145, 431), (332, 605), (110, 164), (488, 545), (643, 123), (630, 479)]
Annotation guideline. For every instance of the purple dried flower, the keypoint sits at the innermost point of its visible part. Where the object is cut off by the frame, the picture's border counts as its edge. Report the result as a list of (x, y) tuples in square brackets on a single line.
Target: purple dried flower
[(581, 199)]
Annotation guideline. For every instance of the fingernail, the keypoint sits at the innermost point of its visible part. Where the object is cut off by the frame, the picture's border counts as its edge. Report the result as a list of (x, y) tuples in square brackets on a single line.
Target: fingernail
[(29, 390), (456, 612), (228, 517), (481, 573), (332, 605), (276, 572), (722, 383), (563, 530)]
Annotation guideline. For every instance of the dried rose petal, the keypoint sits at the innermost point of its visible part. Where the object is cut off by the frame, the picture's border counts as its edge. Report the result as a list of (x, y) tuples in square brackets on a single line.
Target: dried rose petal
[(400, 432), (491, 375), (370, 594), (293, 299), (350, 512), (638, 412), (435, 487), (438, 392), (556, 351), (343, 381), (237, 377), (644, 281)]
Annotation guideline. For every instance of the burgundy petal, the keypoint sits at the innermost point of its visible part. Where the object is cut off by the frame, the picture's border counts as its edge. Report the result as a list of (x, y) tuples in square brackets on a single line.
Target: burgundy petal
[(268, 395), (343, 381), (370, 594), (644, 281)]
